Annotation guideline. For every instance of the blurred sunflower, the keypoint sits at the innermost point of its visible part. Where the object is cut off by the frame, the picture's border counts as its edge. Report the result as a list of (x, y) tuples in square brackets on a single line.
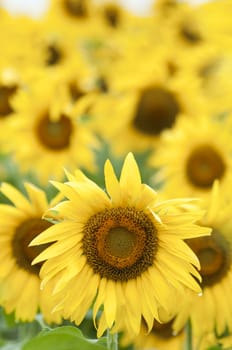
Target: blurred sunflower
[(211, 311), (55, 47), (140, 114), (161, 337), (75, 15), (122, 249), (18, 52), (10, 84), (19, 280), (192, 155), (53, 129), (72, 9)]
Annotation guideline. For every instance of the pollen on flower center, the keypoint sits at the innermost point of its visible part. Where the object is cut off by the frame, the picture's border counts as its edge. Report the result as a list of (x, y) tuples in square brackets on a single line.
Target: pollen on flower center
[(6, 92), (76, 8), (120, 243), (23, 235), (213, 254), (204, 165), (157, 110), (54, 135)]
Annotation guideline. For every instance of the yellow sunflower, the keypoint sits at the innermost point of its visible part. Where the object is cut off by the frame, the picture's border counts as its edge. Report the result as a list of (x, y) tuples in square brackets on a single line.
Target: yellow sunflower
[(118, 250), (192, 155), (19, 280), (70, 10), (161, 337), (54, 134), (142, 107), (18, 53), (185, 30), (76, 16), (11, 83), (213, 310)]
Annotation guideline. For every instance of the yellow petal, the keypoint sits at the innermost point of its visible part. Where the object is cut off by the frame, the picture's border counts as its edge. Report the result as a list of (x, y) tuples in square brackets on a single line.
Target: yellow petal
[(112, 184), (130, 180), (15, 197)]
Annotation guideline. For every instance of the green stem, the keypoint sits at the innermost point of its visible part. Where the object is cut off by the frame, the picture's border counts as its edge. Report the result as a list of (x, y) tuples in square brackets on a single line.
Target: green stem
[(112, 340), (188, 333)]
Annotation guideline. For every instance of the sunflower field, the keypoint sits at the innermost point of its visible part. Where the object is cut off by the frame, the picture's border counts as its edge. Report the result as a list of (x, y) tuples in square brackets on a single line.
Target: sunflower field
[(115, 177)]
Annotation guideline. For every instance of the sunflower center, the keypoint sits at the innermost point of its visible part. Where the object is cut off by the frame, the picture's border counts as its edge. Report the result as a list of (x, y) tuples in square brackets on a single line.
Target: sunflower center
[(102, 84), (168, 5), (54, 135), (75, 91), (190, 35), (157, 110), (120, 243), (54, 55), (76, 8), (112, 15), (24, 234), (6, 92), (204, 165), (214, 256), (163, 330)]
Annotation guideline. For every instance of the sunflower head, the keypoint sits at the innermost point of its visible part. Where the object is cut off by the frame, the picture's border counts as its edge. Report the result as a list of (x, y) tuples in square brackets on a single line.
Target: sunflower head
[(21, 221), (126, 245), (157, 110), (212, 311)]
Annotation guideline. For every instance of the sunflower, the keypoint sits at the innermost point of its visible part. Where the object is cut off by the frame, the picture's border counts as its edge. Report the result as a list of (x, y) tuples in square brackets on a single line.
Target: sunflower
[(212, 311), (51, 125), (70, 11), (192, 155), (18, 53), (122, 249), (19, 280), (142, 107), (54, 46), (10, 84), (161, 337)]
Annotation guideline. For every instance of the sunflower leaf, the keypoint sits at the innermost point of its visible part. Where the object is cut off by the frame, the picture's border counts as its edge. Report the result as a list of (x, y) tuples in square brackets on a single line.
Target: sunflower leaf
[(63, 338)]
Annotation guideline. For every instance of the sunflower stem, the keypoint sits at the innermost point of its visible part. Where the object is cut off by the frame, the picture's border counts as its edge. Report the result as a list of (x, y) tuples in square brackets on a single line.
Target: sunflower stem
[(112, 340), (188, 333)]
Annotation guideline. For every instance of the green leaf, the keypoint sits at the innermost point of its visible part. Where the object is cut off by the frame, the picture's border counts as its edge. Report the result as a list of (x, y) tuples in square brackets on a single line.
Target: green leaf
[(62, 338)]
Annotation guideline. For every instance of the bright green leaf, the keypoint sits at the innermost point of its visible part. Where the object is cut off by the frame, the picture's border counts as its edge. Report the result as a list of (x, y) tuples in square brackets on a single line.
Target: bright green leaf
[(62, 338)]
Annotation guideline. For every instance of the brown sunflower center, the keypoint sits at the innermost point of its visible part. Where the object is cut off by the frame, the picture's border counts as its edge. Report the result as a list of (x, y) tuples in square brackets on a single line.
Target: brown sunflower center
[(24, 234), (76, 8), (112, 15), (54, 135), (172, 68), (157, 110), (120, 243), (54, 55), (102, 84), (75, 91), (168, 5), (214, 255), (190, 35), (6, 92), (204, 165), (163, 330)]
